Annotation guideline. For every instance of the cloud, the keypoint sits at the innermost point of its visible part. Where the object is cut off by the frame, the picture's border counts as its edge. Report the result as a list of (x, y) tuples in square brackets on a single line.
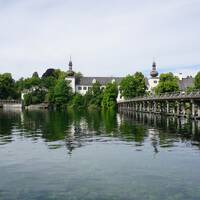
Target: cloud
[(104, 37)]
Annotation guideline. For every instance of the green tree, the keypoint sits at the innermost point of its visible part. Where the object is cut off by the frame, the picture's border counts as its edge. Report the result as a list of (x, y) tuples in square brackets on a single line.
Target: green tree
[(30, 82), (7, 87), (94, 96), (77, 101), (197, 81), (35, 97), (48, 82), (62, 93), (109, 96), (167, 83), (133, 85)]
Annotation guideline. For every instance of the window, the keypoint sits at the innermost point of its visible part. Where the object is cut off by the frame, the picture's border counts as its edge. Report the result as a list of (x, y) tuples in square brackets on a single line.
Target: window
[(84, 88), (155, 81), (79, 88)]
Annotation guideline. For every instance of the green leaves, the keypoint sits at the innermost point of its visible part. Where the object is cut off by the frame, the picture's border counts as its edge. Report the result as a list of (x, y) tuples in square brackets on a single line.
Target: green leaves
[(133, 85), (109, 96), (168, 83), (62, 92), (7, 87), (197, 81)]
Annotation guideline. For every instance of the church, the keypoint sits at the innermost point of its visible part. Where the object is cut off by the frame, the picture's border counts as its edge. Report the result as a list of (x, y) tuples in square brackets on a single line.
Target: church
[(83, 84)]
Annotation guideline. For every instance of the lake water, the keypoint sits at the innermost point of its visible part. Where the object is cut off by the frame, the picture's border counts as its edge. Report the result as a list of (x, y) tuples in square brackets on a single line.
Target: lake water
[(103, 156)]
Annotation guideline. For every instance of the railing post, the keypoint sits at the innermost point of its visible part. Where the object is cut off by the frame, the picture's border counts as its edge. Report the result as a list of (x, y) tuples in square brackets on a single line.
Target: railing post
[(173, 109), (178, 108), (154, 106), (192, 109), (167, 108), (198, 111), (183, 108)]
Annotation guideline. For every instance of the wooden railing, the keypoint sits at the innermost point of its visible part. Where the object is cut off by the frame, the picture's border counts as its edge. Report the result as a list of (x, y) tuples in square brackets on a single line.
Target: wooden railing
[(166, 96)]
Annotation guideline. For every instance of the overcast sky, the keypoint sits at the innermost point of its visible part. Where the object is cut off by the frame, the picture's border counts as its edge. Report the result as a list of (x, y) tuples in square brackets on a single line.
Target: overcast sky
[(104, 37)]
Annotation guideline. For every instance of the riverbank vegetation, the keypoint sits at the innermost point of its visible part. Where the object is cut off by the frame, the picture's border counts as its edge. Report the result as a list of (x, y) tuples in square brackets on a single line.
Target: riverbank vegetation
[(52, 88)]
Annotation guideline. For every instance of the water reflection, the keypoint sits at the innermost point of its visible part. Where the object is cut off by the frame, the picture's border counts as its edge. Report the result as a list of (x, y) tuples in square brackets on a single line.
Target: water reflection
[(77, 129)]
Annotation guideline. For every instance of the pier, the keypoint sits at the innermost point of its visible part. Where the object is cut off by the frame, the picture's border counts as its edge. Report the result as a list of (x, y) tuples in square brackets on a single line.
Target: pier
[(180, 104), (11, 104)]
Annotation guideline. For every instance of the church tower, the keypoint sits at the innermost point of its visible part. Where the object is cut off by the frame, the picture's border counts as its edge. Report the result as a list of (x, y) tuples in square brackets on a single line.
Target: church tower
[(70, 72), (154, 72), (154, 79), (71, 76)]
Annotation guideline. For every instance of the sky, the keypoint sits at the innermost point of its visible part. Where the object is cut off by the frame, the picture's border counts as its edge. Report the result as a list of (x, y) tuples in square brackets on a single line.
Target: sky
[(104, 37)]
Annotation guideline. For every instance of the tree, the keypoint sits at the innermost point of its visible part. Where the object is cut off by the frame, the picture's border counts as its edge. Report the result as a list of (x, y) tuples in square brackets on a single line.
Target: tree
[(96, 95), (62, 93), (109, 96), (35, 74), (167, 83), (77, 101), (7, 87), (35, 97), (133, 85), (197, 81)]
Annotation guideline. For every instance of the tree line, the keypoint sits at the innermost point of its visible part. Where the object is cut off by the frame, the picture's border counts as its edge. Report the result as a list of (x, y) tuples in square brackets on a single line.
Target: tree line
[(53, 88)]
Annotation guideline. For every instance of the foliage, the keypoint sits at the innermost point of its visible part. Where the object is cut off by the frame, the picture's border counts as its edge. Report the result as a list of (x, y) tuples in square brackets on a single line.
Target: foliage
[(190, 89), (93, 97), (7, 87), (133, 85), (167, 83), (62, 93), (109, 96), (48, 82), (35, 97), (77, 102), (31, 82), (197, 81)]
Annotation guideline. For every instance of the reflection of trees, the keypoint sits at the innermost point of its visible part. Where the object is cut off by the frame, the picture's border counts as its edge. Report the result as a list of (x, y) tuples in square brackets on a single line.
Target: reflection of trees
[(76, 129), (170, 129), (109, 119), (8, 121), (132, 132)]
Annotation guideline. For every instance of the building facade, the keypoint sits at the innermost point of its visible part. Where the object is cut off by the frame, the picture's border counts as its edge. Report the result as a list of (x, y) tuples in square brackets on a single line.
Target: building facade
[(82, 84)]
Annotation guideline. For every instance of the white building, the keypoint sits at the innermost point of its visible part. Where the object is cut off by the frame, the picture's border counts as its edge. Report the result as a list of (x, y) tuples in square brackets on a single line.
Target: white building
[(83, 84)]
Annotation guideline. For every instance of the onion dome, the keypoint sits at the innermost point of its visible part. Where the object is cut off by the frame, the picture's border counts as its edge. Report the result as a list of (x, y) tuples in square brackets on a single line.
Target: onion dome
[(70, 72), (154, 72)]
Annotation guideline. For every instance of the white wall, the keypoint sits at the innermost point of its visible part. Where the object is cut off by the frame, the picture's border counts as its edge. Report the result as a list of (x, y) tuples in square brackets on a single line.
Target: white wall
[(82, 89), (153, 82), (72, 83)]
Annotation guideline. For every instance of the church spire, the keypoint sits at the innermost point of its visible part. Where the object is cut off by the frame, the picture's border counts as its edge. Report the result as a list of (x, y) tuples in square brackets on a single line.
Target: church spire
[(154, 72), (70, 64), (70, 72)]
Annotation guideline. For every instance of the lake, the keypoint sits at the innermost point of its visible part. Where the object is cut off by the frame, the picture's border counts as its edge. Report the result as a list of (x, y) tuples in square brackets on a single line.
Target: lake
[(98, 155)]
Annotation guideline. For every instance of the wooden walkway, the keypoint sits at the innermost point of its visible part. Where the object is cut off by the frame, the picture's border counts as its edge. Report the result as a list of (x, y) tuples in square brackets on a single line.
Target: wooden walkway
[(177, 104)]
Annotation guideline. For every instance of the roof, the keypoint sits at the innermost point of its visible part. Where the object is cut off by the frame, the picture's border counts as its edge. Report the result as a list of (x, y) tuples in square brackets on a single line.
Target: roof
[(186, 82), (101, 80)]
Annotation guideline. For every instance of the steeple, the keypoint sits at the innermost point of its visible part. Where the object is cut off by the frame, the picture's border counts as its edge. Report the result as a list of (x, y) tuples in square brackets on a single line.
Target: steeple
[(70, 63), (154, 72), (70, 72)]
